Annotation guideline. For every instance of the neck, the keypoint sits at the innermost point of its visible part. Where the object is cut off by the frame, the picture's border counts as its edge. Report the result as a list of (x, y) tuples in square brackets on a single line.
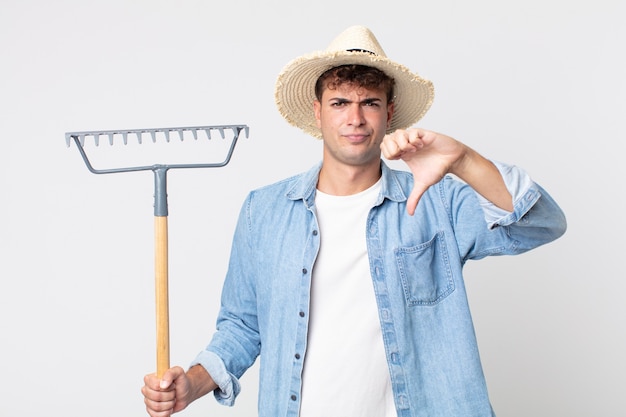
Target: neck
[(347, 180)]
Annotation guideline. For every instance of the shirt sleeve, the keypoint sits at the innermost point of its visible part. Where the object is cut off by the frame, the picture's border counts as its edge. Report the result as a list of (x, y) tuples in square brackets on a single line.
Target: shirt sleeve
[(228, 385), (523, 190)]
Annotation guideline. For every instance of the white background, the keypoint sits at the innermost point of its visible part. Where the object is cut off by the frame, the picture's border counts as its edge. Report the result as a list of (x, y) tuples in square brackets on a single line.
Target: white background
[(538, 83)]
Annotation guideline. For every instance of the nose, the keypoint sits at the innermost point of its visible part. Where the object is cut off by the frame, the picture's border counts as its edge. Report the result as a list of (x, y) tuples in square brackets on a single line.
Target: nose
[(355, 115)]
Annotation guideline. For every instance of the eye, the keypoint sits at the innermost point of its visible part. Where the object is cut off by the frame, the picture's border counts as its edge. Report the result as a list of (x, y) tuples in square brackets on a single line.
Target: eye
[(371, 103)]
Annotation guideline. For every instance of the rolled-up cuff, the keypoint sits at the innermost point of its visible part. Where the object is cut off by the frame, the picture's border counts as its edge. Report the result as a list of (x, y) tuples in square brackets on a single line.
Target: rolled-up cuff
[(228, 384), (523, 191)]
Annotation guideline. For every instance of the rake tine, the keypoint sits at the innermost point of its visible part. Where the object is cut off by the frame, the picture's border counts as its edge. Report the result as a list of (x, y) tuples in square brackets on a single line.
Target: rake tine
[(180, 134), (110, 139), (167, 135), (208, 133), (139, 137), (96, 138), (153, 134), (125, 137), (195, 133), (81, 139), (221, 129), (247, 130)]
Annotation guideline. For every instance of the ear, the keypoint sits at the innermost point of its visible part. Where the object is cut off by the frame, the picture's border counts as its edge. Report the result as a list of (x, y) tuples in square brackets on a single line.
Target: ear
[(390, 109), (317, 108)]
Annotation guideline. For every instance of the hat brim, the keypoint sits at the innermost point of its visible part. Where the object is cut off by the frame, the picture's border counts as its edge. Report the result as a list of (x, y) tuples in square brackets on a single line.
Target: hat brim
[(295, 88)]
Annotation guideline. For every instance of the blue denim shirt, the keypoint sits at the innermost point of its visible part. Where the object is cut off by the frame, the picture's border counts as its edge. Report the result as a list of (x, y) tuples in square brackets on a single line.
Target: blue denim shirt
[(416, 268)]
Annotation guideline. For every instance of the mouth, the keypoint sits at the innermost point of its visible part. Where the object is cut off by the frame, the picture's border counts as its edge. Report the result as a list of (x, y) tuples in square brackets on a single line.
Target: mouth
[(356, 138)]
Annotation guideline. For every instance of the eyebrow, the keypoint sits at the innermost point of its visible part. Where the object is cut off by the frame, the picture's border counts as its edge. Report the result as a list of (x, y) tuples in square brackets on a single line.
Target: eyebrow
[(366, 101)]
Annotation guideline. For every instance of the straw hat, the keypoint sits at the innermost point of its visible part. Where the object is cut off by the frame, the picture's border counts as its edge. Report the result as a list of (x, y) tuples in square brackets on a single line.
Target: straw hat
[(294, 91)]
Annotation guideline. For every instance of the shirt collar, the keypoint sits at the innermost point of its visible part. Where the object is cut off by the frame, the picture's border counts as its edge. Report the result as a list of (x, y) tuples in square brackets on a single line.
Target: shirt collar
[(304, 187)]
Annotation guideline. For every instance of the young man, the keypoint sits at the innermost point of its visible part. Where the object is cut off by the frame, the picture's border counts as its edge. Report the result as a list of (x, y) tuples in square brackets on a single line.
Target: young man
[(347, 280)]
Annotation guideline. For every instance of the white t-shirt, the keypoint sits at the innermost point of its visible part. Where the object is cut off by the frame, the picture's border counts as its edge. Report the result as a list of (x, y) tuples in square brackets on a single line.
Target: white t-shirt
[(345, 369)]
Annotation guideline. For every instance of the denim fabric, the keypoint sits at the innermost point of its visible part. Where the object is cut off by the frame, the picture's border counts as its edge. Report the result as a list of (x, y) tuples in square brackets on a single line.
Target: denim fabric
[(416, 268)]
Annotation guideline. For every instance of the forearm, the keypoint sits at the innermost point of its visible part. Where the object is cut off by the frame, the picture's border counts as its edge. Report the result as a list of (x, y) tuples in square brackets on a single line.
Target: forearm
[(200, 382), (483, 176)]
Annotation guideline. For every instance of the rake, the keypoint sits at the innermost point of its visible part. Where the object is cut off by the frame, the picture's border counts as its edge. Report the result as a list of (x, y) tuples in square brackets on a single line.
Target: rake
[(160, 204)]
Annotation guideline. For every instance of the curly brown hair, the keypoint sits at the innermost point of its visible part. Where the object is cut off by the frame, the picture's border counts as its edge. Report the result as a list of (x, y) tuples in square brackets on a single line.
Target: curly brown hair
[(357, 75)]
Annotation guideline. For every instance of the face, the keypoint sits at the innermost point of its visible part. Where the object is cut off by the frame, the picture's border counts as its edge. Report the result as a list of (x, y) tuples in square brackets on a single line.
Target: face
[(353, 121)]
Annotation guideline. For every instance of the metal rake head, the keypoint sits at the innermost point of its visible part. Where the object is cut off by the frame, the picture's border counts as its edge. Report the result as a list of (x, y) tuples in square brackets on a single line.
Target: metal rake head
[(79, 138)]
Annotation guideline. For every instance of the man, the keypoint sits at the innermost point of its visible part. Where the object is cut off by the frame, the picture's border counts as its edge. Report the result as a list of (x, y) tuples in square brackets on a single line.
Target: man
[(346, 280)]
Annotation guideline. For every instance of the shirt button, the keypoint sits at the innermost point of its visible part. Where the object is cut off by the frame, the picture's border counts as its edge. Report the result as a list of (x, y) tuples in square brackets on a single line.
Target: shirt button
[(297, 356), (293, 398), (302, 314), (304, 270), (314, 232)]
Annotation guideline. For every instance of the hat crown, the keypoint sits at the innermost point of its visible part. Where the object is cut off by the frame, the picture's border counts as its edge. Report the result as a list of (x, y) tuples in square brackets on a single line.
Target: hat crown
[(356, 38)]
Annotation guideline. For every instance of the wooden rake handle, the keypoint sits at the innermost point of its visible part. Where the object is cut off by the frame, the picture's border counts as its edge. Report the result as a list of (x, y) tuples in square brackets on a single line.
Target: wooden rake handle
[(161, 292)]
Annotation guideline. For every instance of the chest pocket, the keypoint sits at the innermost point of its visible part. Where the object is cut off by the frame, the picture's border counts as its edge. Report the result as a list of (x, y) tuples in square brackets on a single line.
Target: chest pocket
[(425, 272)]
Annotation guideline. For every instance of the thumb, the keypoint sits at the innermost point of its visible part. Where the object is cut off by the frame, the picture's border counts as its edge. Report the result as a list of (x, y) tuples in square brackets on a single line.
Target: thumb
[(165, 383), (414, 197), (169, 377)]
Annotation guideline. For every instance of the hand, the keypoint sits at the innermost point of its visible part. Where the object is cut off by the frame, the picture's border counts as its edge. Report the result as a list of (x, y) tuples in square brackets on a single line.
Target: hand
[(167, 395), (428, 155)]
